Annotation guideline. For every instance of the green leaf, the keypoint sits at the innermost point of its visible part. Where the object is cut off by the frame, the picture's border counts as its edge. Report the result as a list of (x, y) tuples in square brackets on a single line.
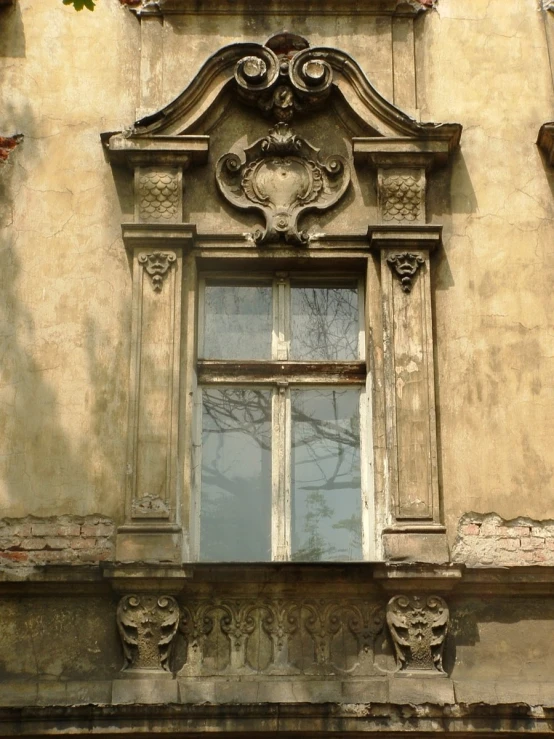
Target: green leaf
[(80, 4)]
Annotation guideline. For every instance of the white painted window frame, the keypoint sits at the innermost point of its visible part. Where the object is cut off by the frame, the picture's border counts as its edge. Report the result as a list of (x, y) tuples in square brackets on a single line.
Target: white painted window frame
[(281, 411)]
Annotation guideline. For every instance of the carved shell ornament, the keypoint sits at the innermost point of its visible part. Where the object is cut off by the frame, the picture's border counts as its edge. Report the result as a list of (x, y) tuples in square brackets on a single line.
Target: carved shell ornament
[(282, 176)]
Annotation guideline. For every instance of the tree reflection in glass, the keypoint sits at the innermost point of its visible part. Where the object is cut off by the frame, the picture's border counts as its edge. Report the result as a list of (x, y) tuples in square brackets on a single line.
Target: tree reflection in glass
[(325, 475), (325, 323), (235, 507), (237, 322)]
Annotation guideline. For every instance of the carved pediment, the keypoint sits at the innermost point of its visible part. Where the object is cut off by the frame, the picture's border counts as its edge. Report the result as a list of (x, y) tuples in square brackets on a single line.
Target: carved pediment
[(282, 78), (281, 176)]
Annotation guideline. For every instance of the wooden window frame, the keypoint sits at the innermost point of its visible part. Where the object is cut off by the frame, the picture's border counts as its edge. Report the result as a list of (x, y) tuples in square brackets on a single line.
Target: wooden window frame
[(283, 374)]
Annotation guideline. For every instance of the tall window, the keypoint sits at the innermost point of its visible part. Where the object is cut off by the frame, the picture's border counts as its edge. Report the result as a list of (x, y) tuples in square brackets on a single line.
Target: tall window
[(281, 407)]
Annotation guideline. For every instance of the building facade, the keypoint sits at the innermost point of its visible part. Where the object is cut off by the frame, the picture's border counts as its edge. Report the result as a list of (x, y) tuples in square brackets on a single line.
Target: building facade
[(277, 361)]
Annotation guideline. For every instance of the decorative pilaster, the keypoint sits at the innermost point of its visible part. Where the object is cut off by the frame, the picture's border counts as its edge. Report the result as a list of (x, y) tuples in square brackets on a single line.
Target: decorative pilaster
[(418, 626), (157, 242), (415, 530), (405, 241), (152, 530)]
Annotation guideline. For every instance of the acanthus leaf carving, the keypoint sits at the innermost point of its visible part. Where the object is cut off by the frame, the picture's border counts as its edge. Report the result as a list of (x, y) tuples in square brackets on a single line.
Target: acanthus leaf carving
[(418, 626), (156, 266), (147, 625), (282, 176), (322, 623), (365, 624), (406, 266), (195, 625), (280, 622), (237, 623)]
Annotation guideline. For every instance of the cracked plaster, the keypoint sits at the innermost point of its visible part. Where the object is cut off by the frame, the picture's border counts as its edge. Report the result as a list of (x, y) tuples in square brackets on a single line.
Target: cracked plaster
[(65, 281)]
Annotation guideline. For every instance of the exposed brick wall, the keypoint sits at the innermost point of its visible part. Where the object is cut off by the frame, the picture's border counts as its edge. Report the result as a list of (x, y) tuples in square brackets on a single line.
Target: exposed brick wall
[(488, 540), (60, 539), (7, 145)]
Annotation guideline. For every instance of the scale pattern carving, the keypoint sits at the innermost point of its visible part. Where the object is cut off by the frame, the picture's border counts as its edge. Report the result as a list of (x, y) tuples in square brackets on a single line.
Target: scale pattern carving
[(401, 196), (158, 196)]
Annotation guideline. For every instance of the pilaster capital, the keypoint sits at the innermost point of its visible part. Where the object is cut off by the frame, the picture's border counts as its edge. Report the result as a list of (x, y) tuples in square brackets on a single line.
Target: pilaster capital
[(418, 238)]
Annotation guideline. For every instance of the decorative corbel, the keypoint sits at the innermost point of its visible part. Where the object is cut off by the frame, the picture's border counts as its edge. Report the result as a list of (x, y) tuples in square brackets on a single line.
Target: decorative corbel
[(147, 625), (418, 626)]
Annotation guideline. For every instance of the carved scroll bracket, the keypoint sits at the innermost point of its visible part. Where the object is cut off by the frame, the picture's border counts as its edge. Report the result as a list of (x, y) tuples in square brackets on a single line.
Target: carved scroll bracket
[(418, 626), (147, 625), (282, 176)]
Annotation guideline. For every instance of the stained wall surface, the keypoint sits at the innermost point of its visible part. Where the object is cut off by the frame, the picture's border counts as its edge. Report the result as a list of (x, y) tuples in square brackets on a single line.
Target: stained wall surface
[(65, 279)]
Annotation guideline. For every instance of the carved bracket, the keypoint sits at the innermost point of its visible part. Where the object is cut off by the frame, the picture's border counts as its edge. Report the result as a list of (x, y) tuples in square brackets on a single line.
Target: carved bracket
[(418, 626), (282, 176), (406, 266), (157, 265), (147, 625), (284, 77)]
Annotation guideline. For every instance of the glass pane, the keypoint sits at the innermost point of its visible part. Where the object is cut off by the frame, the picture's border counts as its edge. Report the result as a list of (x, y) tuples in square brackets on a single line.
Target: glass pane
[(237, 322), (235, 499), (325, 323), (325, 471)]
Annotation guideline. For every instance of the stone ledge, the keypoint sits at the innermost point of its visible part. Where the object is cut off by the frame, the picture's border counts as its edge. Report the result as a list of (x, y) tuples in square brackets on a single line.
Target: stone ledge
[(353, 719), (374, 579)]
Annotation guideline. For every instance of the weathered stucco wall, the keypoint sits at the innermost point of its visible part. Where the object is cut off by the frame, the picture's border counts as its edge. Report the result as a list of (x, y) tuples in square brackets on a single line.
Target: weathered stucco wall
[(486, 65), (65, 280)]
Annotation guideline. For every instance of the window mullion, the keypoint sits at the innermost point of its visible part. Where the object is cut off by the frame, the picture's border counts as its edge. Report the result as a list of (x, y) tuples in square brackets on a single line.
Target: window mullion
[(281, 316), (280, 509), (280, 514)]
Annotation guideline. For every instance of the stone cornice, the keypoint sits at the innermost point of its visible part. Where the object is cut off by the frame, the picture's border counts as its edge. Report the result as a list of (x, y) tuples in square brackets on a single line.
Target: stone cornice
[(405, 8), (428, 151), (272, 719), (376, 578), (156, 150)]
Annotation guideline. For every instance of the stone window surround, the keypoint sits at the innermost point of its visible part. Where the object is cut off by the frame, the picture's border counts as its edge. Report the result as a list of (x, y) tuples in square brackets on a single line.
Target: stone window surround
[(395, 253)]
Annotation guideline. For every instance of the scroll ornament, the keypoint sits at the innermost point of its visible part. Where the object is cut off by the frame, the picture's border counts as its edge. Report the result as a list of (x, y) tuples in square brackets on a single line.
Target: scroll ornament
[(284, 77), (418, 626), (147, 625), (282, 176)]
